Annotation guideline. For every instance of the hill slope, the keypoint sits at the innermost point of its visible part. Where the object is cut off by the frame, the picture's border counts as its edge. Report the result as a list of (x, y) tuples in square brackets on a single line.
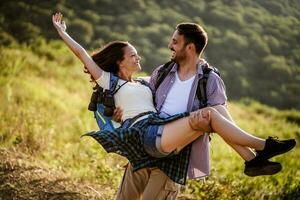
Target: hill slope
[(22, 177), (43, 109)]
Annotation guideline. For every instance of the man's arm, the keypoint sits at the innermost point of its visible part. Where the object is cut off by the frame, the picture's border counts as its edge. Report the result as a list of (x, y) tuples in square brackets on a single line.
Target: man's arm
[(216, 97), (117, 115), (215, 90)]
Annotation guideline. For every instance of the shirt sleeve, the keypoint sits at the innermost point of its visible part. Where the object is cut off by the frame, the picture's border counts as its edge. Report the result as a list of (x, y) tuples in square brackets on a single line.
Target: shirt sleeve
[(103, 80), (215, 90), (153, 78)]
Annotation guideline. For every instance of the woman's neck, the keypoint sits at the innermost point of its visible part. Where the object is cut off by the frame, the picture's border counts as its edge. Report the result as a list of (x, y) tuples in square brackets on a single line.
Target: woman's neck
[(125, 75)]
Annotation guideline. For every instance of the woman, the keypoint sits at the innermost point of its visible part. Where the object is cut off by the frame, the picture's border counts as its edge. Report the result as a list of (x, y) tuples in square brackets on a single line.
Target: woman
[(150, 137)]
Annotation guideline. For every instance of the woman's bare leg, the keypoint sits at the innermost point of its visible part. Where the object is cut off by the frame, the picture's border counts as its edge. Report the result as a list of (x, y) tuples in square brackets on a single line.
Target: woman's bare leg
[(245, 152), (188, 141), (179, 132)]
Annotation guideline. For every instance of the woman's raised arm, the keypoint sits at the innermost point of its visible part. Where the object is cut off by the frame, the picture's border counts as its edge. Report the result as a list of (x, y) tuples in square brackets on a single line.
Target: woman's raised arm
[(76, 48)]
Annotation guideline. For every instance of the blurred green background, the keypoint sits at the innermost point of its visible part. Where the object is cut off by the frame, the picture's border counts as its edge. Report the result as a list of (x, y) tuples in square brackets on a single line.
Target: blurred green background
[(254, 43), (44, 92)]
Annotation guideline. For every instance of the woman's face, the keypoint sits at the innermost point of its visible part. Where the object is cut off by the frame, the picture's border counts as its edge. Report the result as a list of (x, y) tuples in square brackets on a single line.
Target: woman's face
[(131, 61)]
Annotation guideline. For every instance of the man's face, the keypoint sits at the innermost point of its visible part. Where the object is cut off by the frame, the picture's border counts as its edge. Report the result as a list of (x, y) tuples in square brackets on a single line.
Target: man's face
[(178, 47)]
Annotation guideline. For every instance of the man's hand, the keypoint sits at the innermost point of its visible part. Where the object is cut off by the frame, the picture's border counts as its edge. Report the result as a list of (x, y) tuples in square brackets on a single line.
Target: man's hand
[(200, 121), (118, 113)]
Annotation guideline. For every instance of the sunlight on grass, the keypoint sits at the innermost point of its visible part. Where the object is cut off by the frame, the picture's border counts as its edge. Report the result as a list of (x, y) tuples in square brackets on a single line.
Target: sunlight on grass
[(43, 108)]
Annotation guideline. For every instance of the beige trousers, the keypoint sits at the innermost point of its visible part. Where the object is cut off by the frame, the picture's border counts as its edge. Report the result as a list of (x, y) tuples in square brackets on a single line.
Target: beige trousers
[(147, 184)]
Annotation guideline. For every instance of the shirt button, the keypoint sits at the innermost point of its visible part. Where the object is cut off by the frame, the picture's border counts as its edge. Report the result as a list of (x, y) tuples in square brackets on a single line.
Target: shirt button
[(165, 95), (172, 81)]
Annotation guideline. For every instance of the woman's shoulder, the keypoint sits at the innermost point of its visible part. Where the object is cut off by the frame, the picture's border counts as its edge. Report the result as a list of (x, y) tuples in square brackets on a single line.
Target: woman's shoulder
[(104, 80)]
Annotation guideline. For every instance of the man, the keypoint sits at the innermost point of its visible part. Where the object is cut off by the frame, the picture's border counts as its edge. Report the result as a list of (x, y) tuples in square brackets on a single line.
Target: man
[(177, 94)]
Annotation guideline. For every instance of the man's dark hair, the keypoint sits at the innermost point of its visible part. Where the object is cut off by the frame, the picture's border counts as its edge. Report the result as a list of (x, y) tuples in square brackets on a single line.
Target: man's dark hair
[(193, 33)]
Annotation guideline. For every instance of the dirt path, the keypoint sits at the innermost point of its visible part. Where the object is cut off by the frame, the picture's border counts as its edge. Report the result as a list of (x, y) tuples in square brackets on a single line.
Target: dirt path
[(22, 179)]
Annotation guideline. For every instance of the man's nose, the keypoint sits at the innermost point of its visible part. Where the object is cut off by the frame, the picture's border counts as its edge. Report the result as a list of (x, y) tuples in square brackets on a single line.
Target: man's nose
[(170, 45)]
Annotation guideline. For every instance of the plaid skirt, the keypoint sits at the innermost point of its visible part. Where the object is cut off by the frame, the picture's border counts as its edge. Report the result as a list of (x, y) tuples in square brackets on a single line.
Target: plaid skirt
[(127, 142)]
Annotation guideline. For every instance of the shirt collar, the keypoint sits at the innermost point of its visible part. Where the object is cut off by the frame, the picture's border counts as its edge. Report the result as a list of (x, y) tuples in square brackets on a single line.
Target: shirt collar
[(200, 63)]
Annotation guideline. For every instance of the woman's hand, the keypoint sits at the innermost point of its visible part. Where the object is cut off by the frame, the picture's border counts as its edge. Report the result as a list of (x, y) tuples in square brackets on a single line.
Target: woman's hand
[(58, 23)]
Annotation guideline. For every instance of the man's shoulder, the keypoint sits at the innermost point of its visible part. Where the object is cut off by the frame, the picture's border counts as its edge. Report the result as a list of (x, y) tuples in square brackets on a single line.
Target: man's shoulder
[(153, 77), (214, 74), (162, 68), (213, 79), (211, 73), (155, 71), (167, 65), (158, 68)]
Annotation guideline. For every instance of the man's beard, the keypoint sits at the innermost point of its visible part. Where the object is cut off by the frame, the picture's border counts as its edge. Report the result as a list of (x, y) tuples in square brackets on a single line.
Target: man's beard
[(179, 57)]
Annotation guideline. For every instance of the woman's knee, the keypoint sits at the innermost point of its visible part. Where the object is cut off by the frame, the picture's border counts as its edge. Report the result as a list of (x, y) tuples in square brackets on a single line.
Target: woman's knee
[(167, 148)]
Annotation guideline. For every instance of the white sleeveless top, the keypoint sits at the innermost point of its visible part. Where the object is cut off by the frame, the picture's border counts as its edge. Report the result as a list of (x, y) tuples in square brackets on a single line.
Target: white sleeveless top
[(133, 97)]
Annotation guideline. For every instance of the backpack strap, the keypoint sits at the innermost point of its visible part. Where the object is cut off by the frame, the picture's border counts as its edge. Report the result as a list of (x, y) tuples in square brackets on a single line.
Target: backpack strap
[(163, 72), (113, 83), (100, 95), (201, 88), (142, 81)]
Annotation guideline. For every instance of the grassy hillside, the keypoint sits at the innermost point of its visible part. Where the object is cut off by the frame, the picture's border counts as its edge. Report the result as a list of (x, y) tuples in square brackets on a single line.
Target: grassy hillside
[(43, 109)]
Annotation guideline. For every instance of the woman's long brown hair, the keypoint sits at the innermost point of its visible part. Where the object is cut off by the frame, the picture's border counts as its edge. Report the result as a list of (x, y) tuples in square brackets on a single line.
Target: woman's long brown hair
[(108, 57)]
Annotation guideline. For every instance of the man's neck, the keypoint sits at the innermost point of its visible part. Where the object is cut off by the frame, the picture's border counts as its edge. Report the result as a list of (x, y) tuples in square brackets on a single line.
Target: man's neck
[(187, 68)]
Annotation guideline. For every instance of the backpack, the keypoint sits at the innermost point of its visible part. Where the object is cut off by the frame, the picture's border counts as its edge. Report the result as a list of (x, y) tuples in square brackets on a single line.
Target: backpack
[(201, 88), (102, 103)]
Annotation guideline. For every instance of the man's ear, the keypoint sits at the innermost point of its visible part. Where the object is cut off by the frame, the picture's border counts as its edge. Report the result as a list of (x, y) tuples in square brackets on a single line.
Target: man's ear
[(191, 47), (188, 47)]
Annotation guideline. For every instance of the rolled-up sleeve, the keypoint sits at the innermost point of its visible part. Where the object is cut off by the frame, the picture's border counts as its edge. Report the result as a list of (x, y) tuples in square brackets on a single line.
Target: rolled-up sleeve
[(215, 90)]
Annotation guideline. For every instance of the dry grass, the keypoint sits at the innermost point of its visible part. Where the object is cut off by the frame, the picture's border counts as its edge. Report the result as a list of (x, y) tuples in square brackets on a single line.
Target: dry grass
[(22, 178)]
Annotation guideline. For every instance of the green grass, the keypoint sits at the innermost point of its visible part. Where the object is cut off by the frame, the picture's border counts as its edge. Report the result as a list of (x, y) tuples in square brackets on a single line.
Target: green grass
[(44, 112), (43, 108), (227, 180)]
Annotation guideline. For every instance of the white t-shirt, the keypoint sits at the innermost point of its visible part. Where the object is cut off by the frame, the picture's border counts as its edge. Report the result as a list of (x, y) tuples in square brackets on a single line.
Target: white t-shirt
[(133, 97), (178, 96)]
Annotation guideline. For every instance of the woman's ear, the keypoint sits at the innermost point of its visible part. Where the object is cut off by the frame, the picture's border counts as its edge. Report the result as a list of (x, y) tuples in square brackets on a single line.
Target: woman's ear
[(119, 63)]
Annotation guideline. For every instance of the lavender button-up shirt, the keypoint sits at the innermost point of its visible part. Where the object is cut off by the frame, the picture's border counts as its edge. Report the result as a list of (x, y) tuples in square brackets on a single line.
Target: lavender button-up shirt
[(199, 163)]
